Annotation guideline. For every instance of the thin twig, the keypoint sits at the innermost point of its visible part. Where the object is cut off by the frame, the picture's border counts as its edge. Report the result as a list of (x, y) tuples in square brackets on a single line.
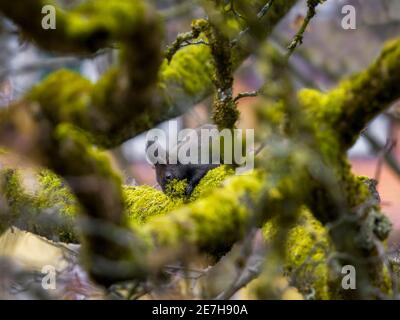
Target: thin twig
[(233, 10), (249, 274), (246, 95), (250, 270), (191, 43), (387, 155), (298, 38), (260, 15)]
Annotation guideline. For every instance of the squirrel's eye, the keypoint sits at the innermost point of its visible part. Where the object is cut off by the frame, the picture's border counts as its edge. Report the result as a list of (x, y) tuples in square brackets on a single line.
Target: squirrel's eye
[(168, 176)]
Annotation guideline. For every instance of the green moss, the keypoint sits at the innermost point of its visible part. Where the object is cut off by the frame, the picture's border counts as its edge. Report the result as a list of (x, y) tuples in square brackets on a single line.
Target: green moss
[(63, 96), (116, 18), (176, 78), (143, 202), (53, 193), (16, 198), (105, 89), (87, 27), (176, 188), (307, 248), (349, 107), (55, 197), (212, 180), (209, 227), (198, 26), (48, 211)]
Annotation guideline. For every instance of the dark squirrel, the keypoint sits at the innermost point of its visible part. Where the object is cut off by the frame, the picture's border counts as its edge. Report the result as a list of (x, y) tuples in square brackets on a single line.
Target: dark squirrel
[(193, 173)]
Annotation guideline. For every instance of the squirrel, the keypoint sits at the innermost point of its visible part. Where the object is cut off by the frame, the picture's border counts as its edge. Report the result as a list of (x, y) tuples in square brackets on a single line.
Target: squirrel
[(192, 172)]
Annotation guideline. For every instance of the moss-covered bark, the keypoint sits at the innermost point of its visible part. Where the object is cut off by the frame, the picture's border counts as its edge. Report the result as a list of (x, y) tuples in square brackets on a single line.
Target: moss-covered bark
[(51, 209), (170, 221), (350, 106), (337, 118), (61, 119), (173, 221), (125, 102)]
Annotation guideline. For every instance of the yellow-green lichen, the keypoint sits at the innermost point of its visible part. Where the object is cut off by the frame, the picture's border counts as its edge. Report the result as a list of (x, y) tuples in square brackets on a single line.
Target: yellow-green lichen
[(54, 198), (54, 193), (212, 180), (14, 199), (209, 227), (176, 188), (175, 78), (143, 202), (63, 96), (48, 210), (307, 249)]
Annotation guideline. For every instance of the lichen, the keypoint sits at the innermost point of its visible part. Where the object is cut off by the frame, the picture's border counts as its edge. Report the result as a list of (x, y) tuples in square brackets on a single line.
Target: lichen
[(307, 248), (357, 100), (176, 80), (143, 202), (201, 223), (176, 188), (16, 199), (49, 210), (212, 180), (53, 195), (63, 96)]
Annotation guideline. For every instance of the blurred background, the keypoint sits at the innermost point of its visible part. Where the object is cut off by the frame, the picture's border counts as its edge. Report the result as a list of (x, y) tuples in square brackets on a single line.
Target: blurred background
[(329, 53)]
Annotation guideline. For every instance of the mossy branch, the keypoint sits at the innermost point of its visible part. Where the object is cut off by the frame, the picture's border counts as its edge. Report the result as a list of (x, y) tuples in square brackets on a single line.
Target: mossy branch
[(56, 117), (108, 109), (336, 120), (83, 30), (354, 102), (125, 102)]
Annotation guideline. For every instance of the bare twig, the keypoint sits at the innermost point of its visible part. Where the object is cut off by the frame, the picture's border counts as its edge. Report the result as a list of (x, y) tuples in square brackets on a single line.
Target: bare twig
[(260, 15), (387, 155), (251, 269), (250, 273), (298, 38), (246, 95)]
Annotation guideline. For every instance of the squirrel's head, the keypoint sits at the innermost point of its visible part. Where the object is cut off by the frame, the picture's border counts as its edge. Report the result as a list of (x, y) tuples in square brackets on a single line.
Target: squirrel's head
[(165, 171)]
